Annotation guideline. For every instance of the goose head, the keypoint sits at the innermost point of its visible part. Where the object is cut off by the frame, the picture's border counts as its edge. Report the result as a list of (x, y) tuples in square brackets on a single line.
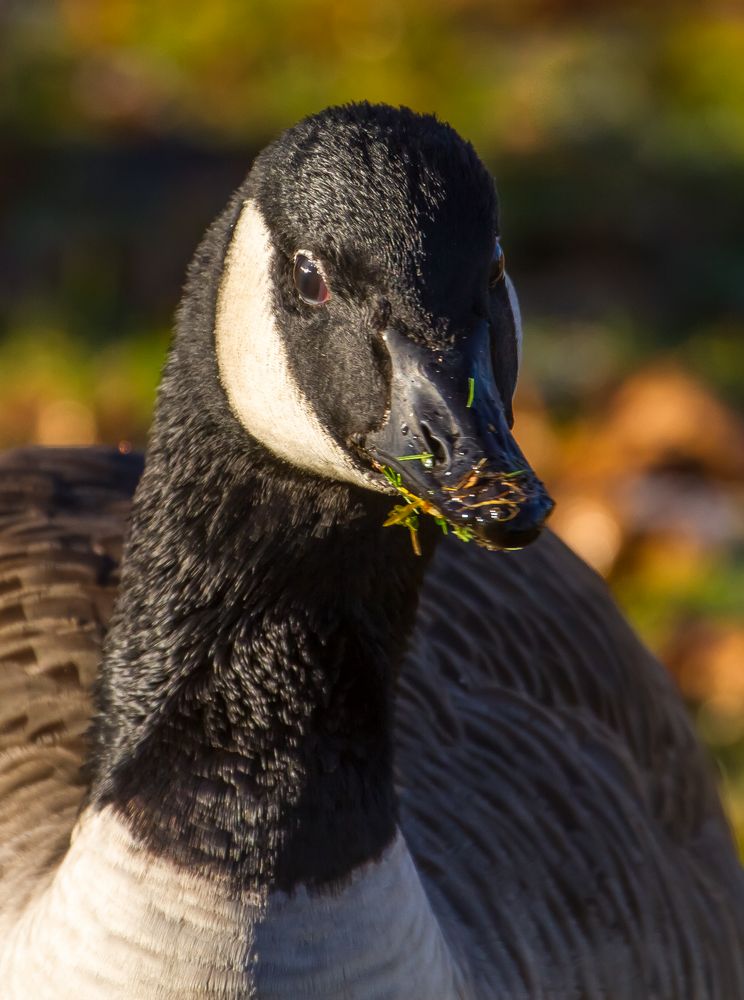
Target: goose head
[(366, 330)]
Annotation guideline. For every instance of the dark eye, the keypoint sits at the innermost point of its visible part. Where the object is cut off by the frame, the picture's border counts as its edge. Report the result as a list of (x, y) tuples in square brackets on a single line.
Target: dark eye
[(309, 282), (498, 262)]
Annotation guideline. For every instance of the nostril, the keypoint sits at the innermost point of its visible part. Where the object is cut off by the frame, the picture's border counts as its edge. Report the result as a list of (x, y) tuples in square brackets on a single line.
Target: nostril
[(434, 445)]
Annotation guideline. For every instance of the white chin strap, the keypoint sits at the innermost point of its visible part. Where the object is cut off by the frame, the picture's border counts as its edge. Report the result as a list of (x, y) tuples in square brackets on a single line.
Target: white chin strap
[(253, 364)]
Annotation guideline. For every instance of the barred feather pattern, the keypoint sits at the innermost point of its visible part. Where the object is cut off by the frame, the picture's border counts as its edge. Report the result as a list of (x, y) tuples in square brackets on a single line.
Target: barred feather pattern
[(62, 513), (560, 812)]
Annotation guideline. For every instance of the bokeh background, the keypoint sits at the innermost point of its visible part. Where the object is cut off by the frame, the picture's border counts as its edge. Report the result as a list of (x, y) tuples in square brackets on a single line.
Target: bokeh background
[(616, 134)]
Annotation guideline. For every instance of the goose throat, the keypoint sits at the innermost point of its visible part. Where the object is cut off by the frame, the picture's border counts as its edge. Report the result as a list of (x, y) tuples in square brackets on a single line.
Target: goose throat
[(246, 696)]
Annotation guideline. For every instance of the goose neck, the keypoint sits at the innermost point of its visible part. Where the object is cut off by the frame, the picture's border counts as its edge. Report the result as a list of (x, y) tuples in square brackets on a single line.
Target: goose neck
[(247, 692)]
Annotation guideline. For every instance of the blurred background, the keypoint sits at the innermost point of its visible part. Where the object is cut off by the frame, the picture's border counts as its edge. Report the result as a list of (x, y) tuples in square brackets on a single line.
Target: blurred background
[(617, 138)]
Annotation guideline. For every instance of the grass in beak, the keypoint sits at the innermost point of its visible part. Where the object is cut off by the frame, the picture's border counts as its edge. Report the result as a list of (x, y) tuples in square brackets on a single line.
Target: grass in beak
[(471, 392), (424, 456), (509, 500), (463, 532), (407, 514), (513, 494)]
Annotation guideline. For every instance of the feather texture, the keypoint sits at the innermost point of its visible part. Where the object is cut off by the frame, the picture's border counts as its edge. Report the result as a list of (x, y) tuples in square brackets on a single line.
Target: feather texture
[(553, 793), (559, 810), (62, 514)]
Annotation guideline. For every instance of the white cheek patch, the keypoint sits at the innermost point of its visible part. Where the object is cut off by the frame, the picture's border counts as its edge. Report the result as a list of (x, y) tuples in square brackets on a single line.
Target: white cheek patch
[(517, 314), (252, 361)]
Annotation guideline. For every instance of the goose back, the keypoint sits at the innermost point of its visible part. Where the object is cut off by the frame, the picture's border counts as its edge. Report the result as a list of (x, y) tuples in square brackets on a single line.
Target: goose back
[(553, 792)]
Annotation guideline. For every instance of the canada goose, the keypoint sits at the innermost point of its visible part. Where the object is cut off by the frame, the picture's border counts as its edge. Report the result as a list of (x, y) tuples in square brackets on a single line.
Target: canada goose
[(261, 815)]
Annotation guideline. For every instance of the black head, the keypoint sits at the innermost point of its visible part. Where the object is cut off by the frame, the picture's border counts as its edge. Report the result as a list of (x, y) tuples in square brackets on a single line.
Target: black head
[(363, 318)]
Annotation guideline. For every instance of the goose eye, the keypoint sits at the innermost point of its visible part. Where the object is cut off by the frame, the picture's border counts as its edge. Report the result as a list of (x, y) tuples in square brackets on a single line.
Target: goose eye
[(498, 262), (309, 282)]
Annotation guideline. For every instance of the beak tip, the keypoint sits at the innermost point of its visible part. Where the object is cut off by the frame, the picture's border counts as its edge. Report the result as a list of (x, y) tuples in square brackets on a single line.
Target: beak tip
[(523, 529)]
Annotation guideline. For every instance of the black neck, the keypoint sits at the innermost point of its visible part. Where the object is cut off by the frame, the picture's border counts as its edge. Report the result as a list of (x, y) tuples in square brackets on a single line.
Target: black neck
[(247, 688)]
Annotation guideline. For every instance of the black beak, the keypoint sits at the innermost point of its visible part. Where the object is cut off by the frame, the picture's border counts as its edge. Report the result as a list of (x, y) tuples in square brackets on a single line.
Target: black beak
[(446, 443)]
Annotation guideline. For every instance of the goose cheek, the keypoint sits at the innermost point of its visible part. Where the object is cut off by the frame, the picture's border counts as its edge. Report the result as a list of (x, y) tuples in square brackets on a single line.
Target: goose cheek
[(253, 364)]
